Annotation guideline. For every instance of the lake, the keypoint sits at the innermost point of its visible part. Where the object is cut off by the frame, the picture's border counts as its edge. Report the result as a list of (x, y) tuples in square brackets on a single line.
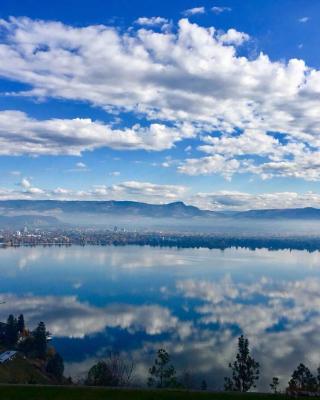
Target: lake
[(193, 302)]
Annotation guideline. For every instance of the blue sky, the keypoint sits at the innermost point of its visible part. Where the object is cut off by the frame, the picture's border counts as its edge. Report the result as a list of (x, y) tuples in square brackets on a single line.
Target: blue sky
[(215, 103)]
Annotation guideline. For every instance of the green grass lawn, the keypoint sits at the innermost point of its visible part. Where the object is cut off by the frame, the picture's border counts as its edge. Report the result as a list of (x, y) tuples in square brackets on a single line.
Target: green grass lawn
[(29, 392)]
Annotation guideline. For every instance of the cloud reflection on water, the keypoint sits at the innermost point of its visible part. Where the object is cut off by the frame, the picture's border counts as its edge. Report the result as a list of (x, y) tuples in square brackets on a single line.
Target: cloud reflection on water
[(196, 311)]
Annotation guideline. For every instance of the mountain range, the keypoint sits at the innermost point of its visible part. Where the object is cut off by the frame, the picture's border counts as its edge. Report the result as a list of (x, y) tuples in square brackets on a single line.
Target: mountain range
[(49, 212)]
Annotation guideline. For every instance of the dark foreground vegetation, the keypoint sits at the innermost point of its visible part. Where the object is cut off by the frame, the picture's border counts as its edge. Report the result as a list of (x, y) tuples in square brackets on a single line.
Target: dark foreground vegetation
[(32, 361), (32, 392)]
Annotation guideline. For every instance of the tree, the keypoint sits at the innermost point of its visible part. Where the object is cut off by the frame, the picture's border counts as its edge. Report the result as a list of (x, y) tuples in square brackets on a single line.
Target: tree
[(162, 374), (27, 346), (204, 385), (274, 384), (114, 371), (40, 340), (21, 324), (302, 380), (318, 377), (11, 331), (187, 380), (55, 366), (245, 370), (100, 375)]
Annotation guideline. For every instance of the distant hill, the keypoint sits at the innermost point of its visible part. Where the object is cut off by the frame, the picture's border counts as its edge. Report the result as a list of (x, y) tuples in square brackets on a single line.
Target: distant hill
[(41, 213), (308, 213), (121, 208), (22, 370)]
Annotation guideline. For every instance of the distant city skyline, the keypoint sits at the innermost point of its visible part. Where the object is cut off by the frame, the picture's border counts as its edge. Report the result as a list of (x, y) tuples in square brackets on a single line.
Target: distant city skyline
[(213, 103)]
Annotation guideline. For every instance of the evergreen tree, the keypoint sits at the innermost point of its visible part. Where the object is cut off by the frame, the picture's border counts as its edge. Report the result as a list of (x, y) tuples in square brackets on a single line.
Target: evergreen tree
[(11, 331), (162, 374), (21, 325), (245, 370), (55, 366), (40, 340), (27, 346), (274, 384), (302, 380)]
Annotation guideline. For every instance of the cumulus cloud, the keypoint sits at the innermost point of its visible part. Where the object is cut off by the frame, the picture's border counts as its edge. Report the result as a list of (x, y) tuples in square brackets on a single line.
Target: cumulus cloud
[(141, 190), (234, 37), (194, 11), (151, 21), (27, 189), (192, 76), (20, 134), (216, 164), (282, 158), (25, 183), (129, 190)]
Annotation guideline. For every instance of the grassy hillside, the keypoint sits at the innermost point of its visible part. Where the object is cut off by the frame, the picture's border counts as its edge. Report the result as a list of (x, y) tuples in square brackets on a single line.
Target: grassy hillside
[(22, 370), (29, 392)]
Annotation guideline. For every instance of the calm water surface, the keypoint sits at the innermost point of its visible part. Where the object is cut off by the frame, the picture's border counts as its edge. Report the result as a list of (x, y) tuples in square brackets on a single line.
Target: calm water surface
[(192, 302)]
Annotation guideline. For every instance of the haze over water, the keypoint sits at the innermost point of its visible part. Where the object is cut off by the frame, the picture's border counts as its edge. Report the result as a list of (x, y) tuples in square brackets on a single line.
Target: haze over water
[(193, 302)]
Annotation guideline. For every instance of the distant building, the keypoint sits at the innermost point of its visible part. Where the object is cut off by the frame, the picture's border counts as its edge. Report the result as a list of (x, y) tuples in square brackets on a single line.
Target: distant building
[(7, 356)]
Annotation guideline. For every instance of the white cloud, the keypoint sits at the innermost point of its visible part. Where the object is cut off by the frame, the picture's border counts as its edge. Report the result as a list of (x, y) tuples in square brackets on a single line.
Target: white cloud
[(81, 165), (151, 21), (129, 190), (192, 77), (219, 10), (134, 189), (20, 134), (194, 11), (232, 200), (15, 173), (304, 19), (234, 37), (27, 190), (158, 193), (216, 164), (25, 183)]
